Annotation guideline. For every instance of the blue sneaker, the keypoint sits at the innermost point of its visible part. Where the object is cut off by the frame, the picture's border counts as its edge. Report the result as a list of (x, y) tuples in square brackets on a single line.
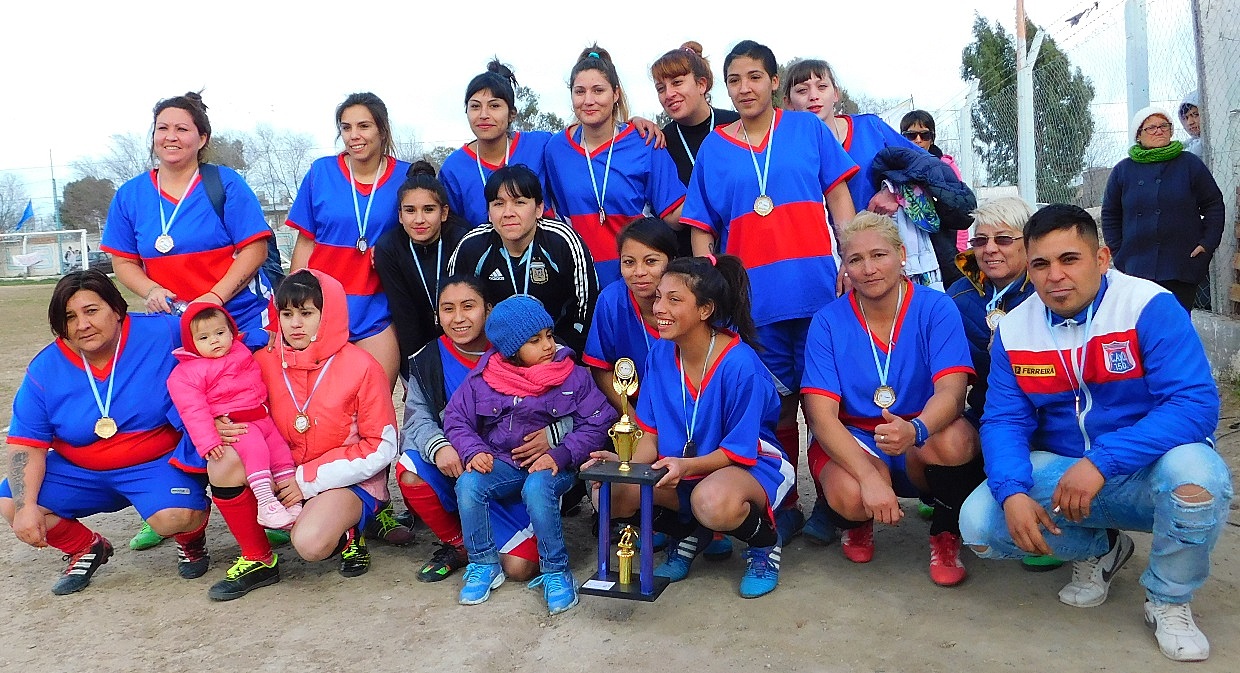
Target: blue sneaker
[(480, 579), (719, 549), (761, 571), (818, 528), (560, 590), (680, 555), (789, 521)]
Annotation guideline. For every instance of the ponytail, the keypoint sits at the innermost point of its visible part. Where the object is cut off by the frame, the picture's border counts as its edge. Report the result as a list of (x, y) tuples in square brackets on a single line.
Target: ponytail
[(725, 283), (597, 58)]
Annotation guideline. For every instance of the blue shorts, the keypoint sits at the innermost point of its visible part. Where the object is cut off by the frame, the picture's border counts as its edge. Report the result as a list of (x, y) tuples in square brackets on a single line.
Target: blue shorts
[(72, 492), (783, 352), (370, 505)]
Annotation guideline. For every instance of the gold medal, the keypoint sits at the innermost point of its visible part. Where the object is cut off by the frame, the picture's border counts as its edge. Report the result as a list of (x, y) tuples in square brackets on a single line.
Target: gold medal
[(993, 318), (301, 423), (885, 396), (105, 427), (763, 205)]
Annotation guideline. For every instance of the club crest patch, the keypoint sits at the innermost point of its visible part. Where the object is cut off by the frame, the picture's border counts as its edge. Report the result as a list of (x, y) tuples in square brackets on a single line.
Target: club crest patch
[(538, 273), (1118, 357)]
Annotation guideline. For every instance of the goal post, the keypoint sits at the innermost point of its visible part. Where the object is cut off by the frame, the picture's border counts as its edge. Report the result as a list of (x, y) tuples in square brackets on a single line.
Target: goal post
[(42, 254)]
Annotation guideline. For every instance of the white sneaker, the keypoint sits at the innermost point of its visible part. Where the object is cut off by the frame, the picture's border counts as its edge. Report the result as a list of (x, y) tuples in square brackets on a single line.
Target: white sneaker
[(1091, 578), (1177, 633)]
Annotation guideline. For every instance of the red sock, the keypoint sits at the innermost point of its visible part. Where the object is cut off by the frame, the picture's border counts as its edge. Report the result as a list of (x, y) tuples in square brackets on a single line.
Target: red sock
[(196, 535), (789, 439), (425, 503), (70, 536), (241, 516)]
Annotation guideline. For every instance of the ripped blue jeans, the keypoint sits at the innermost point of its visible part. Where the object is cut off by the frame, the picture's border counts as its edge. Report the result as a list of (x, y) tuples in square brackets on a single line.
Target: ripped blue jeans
[(1184, 533)]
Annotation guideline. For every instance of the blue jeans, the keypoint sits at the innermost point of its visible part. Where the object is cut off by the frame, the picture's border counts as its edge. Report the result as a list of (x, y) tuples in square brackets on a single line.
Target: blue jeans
[(540, 491), (1184, 533)]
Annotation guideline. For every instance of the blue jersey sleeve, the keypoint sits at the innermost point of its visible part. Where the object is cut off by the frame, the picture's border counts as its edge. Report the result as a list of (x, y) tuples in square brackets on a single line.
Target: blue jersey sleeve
[(301, 213), (243, 215), (1007, 426), (664, 190), (949, 347), (699, 211), (600, 347), (834, 165), (31, 421), (120, 234), (743, 407), (821, 376)]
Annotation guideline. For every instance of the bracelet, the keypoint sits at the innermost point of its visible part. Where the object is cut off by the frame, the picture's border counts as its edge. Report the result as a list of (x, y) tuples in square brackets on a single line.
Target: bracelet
[(922, 432), (151, 291), (217, 296)]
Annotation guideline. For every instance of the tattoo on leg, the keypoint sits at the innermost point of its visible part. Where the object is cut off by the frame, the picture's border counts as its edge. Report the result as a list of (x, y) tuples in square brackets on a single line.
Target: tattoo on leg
[(17, 477)]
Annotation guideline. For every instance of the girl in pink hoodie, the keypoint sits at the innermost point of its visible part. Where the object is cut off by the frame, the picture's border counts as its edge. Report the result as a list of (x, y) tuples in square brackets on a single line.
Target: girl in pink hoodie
[(216, 376)]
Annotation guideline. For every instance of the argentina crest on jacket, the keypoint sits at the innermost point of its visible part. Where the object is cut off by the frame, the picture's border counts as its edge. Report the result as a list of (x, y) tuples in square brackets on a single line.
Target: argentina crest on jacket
[(1118, 357)]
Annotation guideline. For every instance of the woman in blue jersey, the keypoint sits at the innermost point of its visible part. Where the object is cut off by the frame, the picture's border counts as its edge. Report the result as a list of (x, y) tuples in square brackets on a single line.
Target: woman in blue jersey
[(90, 434), (602, 174), (757, 192), (429, 464), (344, 206), (894, 428), (708, 408)]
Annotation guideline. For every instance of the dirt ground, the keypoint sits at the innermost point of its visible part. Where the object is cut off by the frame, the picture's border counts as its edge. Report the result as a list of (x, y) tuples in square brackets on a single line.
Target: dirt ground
[(827, 615)]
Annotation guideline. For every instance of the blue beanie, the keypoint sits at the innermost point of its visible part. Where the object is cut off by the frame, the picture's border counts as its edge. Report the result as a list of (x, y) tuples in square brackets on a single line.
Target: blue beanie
[(514, 321)]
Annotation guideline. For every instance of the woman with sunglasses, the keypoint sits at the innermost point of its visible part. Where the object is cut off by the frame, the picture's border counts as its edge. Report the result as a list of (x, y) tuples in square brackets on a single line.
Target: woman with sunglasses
[(1162, 212)]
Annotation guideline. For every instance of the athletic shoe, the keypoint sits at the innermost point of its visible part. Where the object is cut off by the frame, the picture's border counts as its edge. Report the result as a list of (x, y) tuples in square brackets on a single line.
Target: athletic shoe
[(1040, 564), (925, 511), (719, 549), (274, 515), (445, 561), (277, 537), (858, 544), (354, 558), (788, 522), (680, 555), (818, 527), (385, 527), (1091, 578), (243, 577), (761, 571), (560, 590), (570, 502), (659, 541), (1177, 634), (83, 565), (145, 539), (480, 579), (946, 570), (192, 558), (406, 519)]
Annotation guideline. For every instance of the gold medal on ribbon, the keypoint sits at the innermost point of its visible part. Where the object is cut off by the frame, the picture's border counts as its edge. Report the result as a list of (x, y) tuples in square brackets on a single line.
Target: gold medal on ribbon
[(763, 205), (993, 318), (885, 396), (105, 427), (301, 423)]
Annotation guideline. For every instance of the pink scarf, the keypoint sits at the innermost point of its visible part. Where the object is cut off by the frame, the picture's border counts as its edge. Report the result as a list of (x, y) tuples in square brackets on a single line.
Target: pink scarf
[(509, 379)]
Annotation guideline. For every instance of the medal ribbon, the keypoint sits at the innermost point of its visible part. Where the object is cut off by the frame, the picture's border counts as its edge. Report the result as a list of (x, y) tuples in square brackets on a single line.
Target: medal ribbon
[(512, 275), (301, 409), (692, 161), (362, 222), (1078, 364), (684, 392), (165, 223), (598, 198), (883, 370), (994, 301), (438, 266), (507, 158), (105, 406), (765, 172)]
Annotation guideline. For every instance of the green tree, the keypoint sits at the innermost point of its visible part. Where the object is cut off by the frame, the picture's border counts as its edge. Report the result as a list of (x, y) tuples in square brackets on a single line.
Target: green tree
[(1063, 124), (438, 154), (85, 204), (227, 150), (530, 117)]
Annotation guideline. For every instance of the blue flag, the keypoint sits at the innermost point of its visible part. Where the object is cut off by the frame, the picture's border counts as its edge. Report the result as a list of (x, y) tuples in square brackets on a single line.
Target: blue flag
[(26, 215)]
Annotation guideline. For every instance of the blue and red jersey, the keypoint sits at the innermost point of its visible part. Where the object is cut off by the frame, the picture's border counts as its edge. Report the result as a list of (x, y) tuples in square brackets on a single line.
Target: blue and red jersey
[(788, 252), (203, 247), (642, 181), (323, 212), (55, 407), (617, 330), (465, 185), (867, 135), (929, 343)]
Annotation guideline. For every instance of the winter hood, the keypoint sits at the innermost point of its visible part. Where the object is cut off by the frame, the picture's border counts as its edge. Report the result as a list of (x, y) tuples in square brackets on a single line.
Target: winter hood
[(188, 349), (333, 331)]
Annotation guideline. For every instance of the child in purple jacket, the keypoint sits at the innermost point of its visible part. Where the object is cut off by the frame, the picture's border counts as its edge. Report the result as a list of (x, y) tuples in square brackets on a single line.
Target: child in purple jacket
[(525, 384)]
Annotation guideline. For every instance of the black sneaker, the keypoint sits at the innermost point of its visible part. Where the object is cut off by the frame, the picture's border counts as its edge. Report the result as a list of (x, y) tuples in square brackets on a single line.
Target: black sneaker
[(570, 503), (82, 566), (193, 558), (243, 577), (445, 561), (385, 526), (355, 558)]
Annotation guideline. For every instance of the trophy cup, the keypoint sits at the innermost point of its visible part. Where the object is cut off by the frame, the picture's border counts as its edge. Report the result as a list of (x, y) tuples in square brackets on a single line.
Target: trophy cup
[(624, 435)]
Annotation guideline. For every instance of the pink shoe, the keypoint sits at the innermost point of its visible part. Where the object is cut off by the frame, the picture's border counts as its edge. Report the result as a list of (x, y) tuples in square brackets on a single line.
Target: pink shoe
[(294, 510), (275, 516)]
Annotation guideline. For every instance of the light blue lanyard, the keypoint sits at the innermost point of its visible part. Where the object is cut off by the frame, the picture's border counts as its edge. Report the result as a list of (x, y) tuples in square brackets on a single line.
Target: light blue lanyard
[(438, 265), (104, 406), (994, 301), (684, 392), (1078, 363), (883, 369), (512, 275)]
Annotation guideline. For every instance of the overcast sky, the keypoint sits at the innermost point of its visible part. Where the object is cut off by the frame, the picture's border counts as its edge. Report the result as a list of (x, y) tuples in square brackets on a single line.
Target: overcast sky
[(75, 72)]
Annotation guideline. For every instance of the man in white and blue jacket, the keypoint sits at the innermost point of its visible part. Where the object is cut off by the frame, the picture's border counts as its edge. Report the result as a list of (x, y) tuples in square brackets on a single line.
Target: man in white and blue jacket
[(1098, 419)]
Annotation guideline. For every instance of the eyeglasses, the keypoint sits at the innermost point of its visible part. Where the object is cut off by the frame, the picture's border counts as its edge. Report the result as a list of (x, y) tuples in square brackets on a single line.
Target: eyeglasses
[(919, 135), (1161, 128), (1001, 240)]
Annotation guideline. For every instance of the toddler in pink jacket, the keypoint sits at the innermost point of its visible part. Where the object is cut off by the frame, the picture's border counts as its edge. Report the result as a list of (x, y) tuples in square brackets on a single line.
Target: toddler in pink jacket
[(216, 376)]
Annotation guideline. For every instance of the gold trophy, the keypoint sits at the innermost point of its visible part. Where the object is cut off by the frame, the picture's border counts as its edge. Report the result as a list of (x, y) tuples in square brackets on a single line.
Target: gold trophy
[(625, 433), (625, 554)]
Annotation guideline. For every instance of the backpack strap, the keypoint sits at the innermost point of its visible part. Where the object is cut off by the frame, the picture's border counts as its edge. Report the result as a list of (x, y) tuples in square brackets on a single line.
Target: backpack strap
[(210, 174)]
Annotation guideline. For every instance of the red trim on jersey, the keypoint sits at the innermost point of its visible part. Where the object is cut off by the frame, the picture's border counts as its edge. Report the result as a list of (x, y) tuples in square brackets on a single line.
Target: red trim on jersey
[(121, 253), (362, 189), (899, 327), (848, 174), (76, 360), (568, 133), (191, 274), (166, 195), (645, 428), (693, 392), (300, 229), (256, 237), (637, 310), (679, 202), (848, 134), (512, 149), (760, 147), (794, 231), (739, 460), (122, 450), (700, 225), (27, 442), (354, 270), (869, 423), (821, 391), (596, 363), (960, 369), (192, 469), (451, 348)]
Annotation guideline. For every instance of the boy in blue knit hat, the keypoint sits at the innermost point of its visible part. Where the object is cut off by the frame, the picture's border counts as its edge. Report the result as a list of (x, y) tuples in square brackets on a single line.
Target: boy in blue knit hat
[(524, 384)]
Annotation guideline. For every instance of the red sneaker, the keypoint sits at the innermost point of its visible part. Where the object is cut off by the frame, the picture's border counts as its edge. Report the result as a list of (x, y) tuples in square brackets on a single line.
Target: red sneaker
[(858, 543), (946, 570)]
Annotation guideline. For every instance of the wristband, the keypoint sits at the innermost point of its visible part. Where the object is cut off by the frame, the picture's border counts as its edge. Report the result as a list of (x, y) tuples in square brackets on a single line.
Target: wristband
[(151, 291), (922, 432)]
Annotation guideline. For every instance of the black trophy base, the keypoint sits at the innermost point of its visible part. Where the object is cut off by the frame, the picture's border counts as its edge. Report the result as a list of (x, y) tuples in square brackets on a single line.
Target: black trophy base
[(610, 587), (638, 473)]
